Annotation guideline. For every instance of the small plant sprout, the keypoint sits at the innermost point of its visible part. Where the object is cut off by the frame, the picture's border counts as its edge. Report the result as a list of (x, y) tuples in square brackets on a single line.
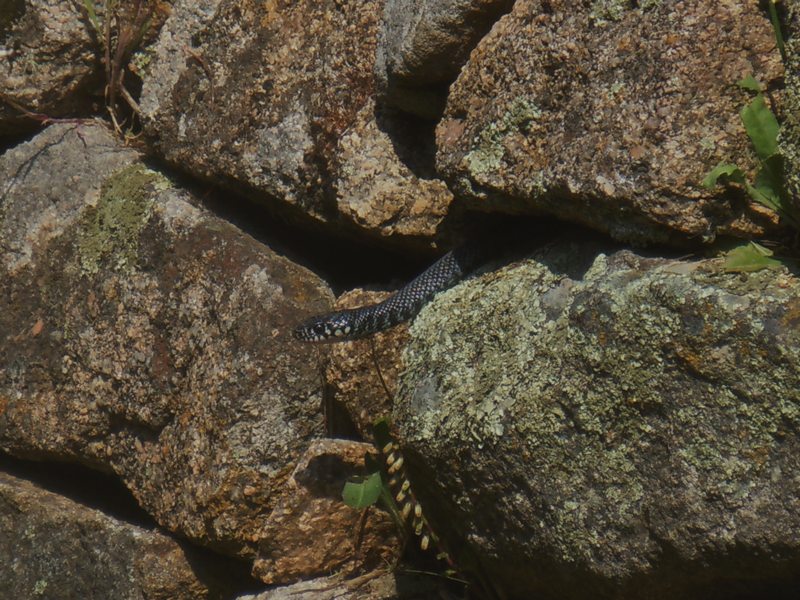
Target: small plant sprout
[(120, 27), (392, 492), (768, 187)]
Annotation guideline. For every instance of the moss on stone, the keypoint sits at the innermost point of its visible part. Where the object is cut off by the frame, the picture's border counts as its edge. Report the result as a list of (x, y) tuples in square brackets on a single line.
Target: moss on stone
[(109, 232)]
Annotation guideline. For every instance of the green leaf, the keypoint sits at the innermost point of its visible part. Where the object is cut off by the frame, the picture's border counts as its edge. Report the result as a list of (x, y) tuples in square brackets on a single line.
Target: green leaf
[(750, 83), (762, 127), (727, 171), (769, 183), (776, 28), (89, 6), (748, 258), (360, 494)]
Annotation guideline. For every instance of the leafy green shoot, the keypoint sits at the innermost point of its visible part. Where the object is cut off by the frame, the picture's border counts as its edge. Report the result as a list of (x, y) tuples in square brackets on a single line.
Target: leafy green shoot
[(750, 257), (776, 28), (762, 128), (363, 492), (750, 83), (90, 11), (367, 490)]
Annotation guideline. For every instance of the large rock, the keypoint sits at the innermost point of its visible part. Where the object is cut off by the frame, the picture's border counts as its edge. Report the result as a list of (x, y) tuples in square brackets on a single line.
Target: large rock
[(789, 139), (616, 426), (53, 547), (279, 102), (143, 336), (49, 62), (423, 46), (611, 116), (52, 58)]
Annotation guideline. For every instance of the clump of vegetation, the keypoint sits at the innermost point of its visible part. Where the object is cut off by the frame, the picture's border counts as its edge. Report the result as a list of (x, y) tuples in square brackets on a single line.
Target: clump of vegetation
[(769, 185), (390, 486), (120, 26)]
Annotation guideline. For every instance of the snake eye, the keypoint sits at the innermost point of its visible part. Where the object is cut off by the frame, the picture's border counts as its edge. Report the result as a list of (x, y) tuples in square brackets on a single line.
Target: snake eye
[(326, 328)]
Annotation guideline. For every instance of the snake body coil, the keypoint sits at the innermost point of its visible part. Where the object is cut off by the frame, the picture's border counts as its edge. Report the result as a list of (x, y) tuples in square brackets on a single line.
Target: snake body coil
[(356, 323)]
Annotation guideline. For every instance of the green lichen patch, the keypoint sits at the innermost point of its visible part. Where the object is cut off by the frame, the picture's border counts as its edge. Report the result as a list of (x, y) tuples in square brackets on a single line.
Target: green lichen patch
[(487, 156), (109, 232), (605, 11), (618, 394)]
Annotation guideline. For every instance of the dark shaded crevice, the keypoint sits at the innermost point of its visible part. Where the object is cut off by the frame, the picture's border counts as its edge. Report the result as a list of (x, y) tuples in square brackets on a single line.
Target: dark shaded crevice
[(90, 488), (343, 262), (409, 109), (417, 81), (12, 140), (339, 424), (413, 140), (10, 11)]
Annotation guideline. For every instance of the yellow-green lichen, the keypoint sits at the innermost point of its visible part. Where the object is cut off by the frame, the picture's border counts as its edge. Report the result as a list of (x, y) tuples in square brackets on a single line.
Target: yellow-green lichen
[(605, 11), (109, 232), (487, 157), (636, 371), (39, 587)]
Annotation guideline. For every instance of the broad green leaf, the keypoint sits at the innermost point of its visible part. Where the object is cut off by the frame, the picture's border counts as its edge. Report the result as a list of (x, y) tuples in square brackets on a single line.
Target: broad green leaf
[(762, 198), (750, 83), (727, 170), (360, 494), (762, 127), (750, 257), (769, 183)]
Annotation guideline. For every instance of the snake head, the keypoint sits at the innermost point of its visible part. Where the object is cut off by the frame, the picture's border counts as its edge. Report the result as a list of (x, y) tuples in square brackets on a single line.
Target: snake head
[(331, 327)]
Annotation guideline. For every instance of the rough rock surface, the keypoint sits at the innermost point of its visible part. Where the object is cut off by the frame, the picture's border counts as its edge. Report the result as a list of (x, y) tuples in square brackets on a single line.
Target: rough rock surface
[(372, 586), (789, 139), (423, 46), (52, 547), (610, 116), (619, 427), (277, 99), (144, 336), (311, 526), (52, 58)]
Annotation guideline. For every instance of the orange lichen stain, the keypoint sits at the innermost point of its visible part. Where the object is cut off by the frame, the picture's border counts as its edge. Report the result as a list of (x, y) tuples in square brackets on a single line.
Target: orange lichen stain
[(37, 328), (637, 152), (792, 317), (691, 359)]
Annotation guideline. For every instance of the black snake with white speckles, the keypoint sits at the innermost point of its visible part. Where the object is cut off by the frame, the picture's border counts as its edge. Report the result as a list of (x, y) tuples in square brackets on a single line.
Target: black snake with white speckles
[(345, 325)]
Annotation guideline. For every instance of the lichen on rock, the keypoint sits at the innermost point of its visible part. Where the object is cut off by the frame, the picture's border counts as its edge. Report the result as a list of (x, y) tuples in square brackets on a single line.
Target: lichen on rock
[(620, 417), (110, 230)]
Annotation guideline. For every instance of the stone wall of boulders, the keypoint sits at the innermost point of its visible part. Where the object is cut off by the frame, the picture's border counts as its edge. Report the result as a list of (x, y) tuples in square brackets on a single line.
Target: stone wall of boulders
[(589, 421)]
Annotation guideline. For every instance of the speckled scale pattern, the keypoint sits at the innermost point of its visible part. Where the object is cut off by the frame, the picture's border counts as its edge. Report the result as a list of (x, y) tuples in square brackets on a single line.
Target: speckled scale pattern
[(356, 323)]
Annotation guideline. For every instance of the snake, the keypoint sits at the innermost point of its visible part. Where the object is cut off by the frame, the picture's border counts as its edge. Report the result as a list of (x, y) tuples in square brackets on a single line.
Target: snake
[(403, 305)]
